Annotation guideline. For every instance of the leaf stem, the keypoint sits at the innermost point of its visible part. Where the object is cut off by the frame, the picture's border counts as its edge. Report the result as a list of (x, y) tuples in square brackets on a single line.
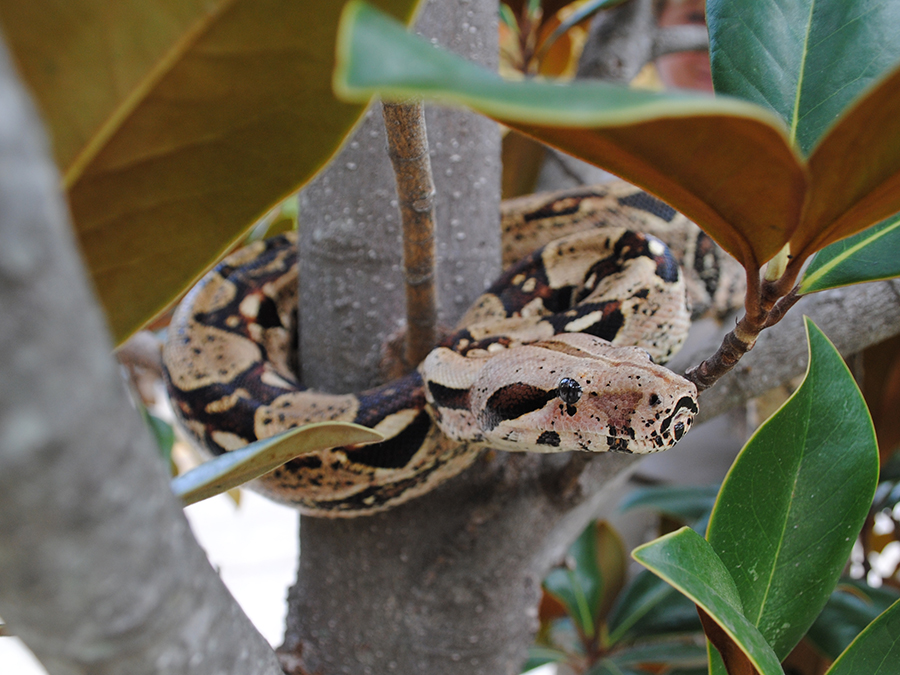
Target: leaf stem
[(408, 150)]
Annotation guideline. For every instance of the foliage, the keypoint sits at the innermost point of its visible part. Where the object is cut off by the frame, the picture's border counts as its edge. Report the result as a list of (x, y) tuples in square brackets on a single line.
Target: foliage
[(795, 157), (779, 534), (652, 139), (545, 37), (257, 459)]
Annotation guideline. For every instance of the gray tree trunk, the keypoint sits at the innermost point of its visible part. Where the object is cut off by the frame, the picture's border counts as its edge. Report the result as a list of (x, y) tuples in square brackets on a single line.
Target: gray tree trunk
[(99, 572)]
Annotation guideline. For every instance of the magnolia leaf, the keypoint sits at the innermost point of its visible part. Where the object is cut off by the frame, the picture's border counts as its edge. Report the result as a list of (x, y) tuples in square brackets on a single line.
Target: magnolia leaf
[(686, 503), (876, 650), (684, 653), (580, 589), (609, 667), (687, 561), (829, 69), (650, 607), (795, 499), (710, 158), (855, 169), (870, 255), (806, 60), (163, 434), (853, 606), (176, 124), (539, 656), (612, 561), (252, 461)]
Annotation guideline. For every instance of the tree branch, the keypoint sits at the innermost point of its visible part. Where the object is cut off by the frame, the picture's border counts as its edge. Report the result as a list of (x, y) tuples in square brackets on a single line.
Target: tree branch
[(674, 39), (408, 150), (99, 571), (854, 318)]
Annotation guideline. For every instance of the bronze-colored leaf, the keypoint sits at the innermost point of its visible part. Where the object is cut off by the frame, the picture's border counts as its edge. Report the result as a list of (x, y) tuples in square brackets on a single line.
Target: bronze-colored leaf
[(177, 123), (854, 170), (749, 207), (735, 660), (724, 163)]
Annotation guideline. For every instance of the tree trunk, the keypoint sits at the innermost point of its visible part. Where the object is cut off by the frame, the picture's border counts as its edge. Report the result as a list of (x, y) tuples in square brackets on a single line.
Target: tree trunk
[(99, 572)]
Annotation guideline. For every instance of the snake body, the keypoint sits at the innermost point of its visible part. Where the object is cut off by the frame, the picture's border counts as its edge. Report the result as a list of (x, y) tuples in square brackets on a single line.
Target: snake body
[(561, 353)]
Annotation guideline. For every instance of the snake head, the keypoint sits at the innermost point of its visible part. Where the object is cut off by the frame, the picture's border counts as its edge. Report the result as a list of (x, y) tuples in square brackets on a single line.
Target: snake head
[(571, 392)]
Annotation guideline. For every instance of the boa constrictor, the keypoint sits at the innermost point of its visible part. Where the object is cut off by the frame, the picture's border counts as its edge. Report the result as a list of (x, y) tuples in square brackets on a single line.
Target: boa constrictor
[(561, 353)]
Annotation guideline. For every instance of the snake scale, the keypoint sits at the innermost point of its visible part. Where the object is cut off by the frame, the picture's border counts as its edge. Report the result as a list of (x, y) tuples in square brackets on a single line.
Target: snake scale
[(561, 353)]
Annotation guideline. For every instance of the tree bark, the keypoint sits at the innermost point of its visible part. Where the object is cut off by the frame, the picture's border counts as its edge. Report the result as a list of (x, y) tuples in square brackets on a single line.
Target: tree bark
[(99, 572)]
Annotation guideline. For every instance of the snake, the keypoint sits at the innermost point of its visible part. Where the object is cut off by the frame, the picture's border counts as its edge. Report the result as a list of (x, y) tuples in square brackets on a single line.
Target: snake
[(563, 352)]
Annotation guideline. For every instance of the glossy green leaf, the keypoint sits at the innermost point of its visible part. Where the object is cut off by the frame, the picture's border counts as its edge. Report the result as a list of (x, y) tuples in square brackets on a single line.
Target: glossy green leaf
[(163, 434), (829, 69), (796, 497), (852, 607), (876, 651), (540, 656), (671, 652), (580, 588), (807, 60), (687, 503), (252, 461), (687, 561), (650, 607), (609, 667), (176, 124), (651, 139), (870, 255)]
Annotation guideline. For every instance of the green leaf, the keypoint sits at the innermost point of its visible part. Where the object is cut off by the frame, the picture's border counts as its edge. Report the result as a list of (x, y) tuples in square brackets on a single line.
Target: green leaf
[(796, 498), (539, 656), (252, 461), (687, 503), (650, 607), (508, 17), (650, 139), (852, 607), (163, 433), (807, 60), (580, 589), (669, 652), (178, 123), (609, 667), (687, 561), (582, 12), (877, 649), (870, 255)]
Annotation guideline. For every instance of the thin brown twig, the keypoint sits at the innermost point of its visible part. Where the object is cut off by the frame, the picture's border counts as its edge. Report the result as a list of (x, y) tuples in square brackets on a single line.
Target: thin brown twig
[(782, 306), (739, 341), (765, 305), (408, 149)]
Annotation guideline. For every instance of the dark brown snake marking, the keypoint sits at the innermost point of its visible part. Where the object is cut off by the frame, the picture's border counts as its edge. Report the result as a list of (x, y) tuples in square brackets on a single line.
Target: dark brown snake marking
[(531, 367)]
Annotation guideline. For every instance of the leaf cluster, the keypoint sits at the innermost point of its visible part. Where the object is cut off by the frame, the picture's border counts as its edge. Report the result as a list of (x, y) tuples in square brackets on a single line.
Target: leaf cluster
[(792, 155), (767, 573)]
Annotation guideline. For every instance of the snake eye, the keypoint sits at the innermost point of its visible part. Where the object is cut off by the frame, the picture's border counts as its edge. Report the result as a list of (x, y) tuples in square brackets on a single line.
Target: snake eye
[(679, 430), (569, 391)]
